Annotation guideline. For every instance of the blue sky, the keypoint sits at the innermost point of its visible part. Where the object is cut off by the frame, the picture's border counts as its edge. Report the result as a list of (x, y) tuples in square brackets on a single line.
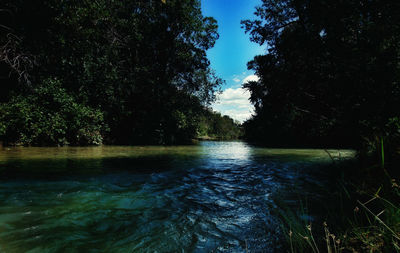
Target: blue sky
[(231, 53)]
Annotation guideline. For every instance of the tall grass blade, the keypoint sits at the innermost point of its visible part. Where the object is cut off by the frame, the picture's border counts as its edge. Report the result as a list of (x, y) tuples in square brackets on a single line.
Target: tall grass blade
[(379, 220), (382, 154)]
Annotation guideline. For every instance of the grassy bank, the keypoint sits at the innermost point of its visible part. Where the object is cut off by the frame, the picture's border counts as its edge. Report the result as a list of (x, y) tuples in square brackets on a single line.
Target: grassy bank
[(360, 214)]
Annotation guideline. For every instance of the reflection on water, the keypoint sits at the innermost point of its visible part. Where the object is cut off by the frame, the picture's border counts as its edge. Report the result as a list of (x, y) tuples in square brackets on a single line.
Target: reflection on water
[(216, 196)]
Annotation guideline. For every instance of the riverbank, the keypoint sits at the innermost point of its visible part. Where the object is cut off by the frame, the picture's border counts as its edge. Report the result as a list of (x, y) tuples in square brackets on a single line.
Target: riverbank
[(217, 138), (362, 214)]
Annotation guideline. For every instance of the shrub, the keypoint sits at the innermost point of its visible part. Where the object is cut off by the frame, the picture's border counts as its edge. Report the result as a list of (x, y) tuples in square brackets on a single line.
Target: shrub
[(49, 116)]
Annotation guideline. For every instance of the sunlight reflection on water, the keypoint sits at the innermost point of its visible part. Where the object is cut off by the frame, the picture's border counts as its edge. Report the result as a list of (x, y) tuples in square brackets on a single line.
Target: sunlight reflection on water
[(227, 150), (216, 196)]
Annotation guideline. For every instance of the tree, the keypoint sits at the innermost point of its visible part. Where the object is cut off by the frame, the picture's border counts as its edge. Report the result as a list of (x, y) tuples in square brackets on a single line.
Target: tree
[(138, 62), (215, 126), (331, 74)]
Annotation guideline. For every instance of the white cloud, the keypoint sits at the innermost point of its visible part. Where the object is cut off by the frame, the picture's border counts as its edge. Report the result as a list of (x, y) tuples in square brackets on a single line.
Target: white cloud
[(237, 115), (234, 102), (251, 78), (234, 95), (236, 80)]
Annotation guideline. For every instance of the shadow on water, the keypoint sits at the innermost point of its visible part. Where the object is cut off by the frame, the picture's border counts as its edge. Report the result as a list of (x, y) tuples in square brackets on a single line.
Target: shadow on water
[(217, 196)]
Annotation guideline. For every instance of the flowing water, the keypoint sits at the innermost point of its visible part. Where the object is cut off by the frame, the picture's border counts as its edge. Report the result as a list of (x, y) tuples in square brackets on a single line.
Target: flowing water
[(210, 197)]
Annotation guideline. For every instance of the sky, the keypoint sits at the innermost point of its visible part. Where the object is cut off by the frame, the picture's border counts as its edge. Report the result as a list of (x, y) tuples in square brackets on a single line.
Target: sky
[(231, 53)]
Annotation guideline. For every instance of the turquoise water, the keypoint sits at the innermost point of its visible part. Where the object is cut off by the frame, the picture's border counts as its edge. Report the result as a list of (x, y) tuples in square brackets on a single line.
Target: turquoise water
[(215, 196)]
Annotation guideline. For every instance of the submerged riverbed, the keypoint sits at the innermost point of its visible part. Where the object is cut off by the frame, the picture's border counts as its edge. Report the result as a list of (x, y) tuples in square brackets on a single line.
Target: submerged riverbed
[(215, 196)]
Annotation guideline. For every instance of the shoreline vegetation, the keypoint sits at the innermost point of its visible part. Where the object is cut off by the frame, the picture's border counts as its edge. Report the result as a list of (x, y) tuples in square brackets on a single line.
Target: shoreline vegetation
[(77, 73), (330, 77), (136, 72), (361, 214), (212, 126)]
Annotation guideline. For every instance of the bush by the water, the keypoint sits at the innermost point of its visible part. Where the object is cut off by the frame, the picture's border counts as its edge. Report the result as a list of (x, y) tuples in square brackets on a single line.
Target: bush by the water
[(50, 116), (69, 68)]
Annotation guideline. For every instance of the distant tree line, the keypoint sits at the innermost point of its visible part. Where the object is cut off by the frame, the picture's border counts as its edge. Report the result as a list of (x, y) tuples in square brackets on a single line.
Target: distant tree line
[(330, 77), (90, 72), (215, 126)]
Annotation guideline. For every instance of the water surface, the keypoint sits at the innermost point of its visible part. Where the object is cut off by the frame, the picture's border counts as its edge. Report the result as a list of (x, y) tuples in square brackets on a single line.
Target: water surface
[(215, 196)]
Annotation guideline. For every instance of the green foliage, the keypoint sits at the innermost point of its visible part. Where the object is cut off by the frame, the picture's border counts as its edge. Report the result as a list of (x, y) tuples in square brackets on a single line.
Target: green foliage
[(49, 116), (331, 74), (360, 213), (215, 126), (142, 63)]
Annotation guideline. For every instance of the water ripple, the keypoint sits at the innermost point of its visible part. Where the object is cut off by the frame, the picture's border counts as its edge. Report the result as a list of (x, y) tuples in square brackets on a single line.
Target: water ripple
[(213, 197)]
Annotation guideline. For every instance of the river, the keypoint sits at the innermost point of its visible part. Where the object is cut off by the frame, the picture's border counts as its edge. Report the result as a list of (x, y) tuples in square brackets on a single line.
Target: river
[(210, 197)]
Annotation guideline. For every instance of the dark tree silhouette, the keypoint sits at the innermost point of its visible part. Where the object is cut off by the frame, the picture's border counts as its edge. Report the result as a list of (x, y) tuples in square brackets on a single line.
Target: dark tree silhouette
[(331, 74), (140, 66)]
